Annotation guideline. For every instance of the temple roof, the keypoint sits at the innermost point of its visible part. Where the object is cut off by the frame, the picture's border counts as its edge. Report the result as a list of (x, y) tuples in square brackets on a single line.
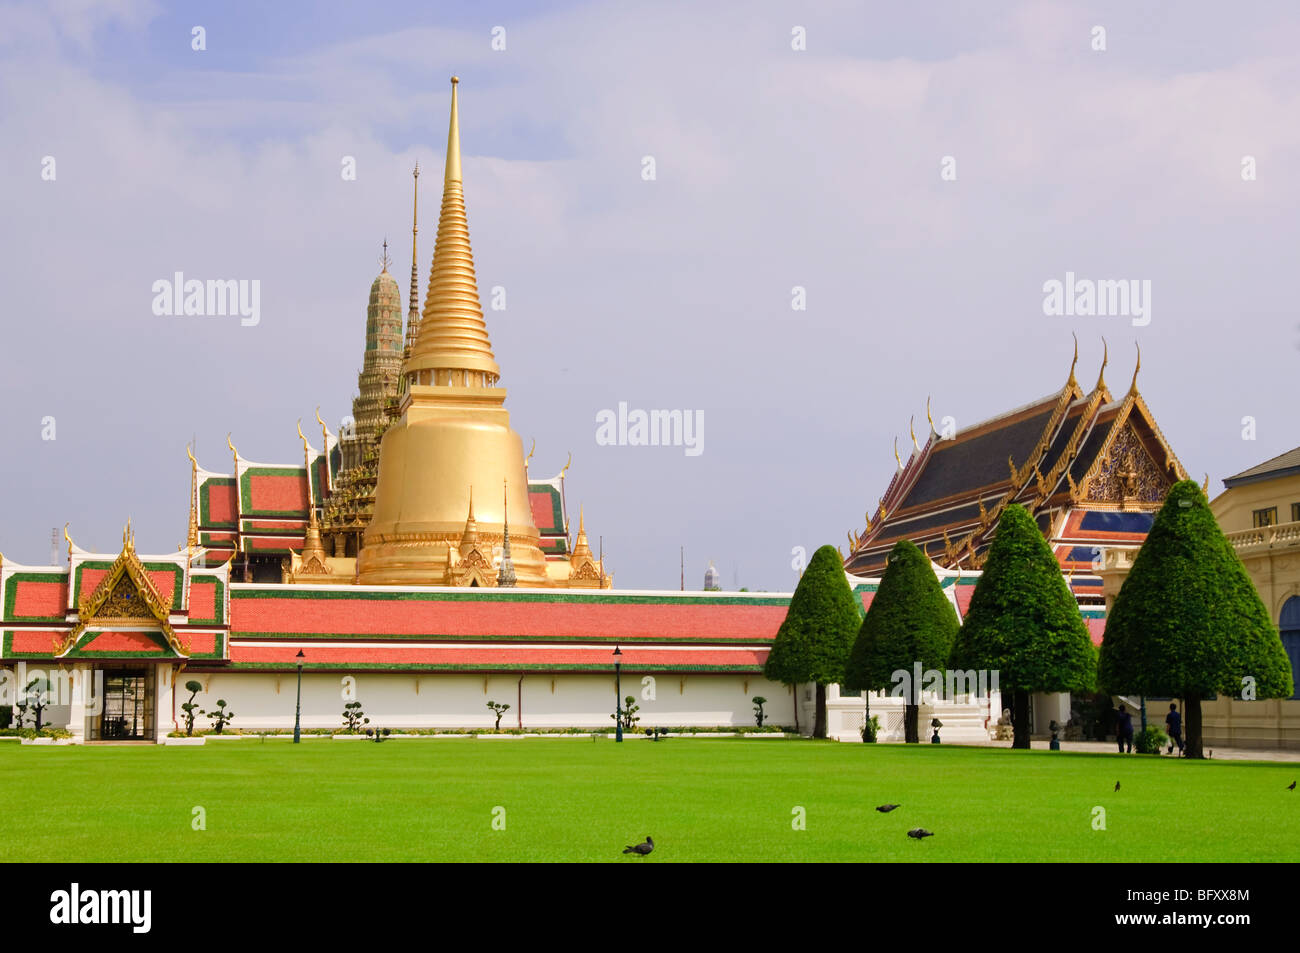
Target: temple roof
[(977, 456), (107, 606), (1066, 451)]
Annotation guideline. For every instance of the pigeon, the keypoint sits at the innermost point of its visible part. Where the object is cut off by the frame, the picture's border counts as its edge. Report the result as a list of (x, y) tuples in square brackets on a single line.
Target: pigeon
[(1116, 785), (641, 849), (1289, 787), (919, 832), (886, 808)]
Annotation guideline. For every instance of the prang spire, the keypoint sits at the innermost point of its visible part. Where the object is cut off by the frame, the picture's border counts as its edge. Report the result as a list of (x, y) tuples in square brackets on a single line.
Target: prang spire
[(452, 347)]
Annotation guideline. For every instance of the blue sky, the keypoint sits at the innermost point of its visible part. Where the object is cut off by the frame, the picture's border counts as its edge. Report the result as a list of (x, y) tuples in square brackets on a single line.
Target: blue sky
[(775, 168)]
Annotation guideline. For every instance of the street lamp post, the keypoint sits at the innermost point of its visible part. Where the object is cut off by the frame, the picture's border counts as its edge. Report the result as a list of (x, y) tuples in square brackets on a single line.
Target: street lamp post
[(297, 713), (618, 695)]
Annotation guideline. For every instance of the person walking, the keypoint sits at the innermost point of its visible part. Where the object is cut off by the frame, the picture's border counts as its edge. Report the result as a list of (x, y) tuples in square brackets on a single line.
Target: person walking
[(1124, 730), (1174, 725)]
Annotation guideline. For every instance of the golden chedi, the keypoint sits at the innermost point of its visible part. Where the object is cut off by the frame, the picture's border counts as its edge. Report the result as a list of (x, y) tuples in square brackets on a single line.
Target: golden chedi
[(454, 433)]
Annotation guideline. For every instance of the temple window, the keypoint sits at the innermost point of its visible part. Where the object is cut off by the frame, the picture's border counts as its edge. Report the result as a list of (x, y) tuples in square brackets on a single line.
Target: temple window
[(1265, 517)]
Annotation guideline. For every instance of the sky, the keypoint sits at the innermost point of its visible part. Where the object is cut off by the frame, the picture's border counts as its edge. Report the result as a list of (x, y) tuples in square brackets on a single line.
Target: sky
[(918, 171)]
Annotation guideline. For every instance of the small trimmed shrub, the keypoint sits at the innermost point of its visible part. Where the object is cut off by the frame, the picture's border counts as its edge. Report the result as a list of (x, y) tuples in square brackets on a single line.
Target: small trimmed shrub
[(191, 707), (759, 702), (220, 715), (871, 729), (630, 716), (353, 718), (499, 709), (38, 698), (1151, 740)]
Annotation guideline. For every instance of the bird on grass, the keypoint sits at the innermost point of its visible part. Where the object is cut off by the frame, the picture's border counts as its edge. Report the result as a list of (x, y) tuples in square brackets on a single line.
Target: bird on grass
[(886, 808), (1291, 786), (641, 849), (919, 832), (1116, 785)]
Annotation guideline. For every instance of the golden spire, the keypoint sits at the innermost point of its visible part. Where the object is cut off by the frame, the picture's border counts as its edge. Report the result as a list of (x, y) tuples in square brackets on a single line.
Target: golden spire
[(929, 417), (452, 341), (897, 458), (413, 311), (911, 428), (1105, 359), (1072, 381), (581, 547), (236, 453), (192, 539), (470, 537), (306, 465), (311, 544), (1132, 388), (325, 449)]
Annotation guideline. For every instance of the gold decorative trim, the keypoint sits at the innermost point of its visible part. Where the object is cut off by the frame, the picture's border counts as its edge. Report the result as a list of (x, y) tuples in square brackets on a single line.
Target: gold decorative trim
[(107, 604)]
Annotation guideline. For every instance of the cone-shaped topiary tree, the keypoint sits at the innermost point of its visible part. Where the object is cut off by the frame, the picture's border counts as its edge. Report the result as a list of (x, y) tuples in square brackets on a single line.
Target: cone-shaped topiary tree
[(813, 642), (1024, 623), (1188, 622), (910, 621)]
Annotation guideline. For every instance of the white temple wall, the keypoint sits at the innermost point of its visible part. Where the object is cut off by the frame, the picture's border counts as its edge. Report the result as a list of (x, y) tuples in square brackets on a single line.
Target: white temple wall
[(266, 701)]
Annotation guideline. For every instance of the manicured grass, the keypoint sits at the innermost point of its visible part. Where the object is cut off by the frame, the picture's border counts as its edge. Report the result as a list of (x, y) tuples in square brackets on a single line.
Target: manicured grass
[(575, 799)]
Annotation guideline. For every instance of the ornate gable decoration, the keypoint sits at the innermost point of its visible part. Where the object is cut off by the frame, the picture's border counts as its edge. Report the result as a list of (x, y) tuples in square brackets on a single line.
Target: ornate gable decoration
[(125, 595), (471, 569), (1125, 475)]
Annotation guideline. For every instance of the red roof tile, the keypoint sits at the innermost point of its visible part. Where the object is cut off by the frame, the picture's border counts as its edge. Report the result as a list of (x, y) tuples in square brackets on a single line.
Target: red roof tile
[(39, 598), (1096, 628), (475, 657), (509, 618)]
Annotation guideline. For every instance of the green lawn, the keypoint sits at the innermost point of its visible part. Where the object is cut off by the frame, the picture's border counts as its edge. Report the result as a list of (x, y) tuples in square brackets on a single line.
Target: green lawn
[(575, 799)]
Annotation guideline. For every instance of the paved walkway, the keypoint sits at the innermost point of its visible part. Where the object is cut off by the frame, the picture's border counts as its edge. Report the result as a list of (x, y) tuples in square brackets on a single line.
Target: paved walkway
[(1218, 753)]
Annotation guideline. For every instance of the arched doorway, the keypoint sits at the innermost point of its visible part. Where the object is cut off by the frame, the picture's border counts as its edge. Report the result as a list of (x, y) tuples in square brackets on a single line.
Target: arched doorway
[(1289, 624)]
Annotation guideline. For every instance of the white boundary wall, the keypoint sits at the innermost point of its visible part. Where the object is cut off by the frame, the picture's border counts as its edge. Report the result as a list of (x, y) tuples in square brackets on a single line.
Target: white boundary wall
[(460, 700)]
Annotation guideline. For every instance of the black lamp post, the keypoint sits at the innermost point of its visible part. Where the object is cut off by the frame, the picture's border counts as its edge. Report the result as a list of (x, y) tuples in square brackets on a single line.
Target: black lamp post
[(297, 714), (618, 695)]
